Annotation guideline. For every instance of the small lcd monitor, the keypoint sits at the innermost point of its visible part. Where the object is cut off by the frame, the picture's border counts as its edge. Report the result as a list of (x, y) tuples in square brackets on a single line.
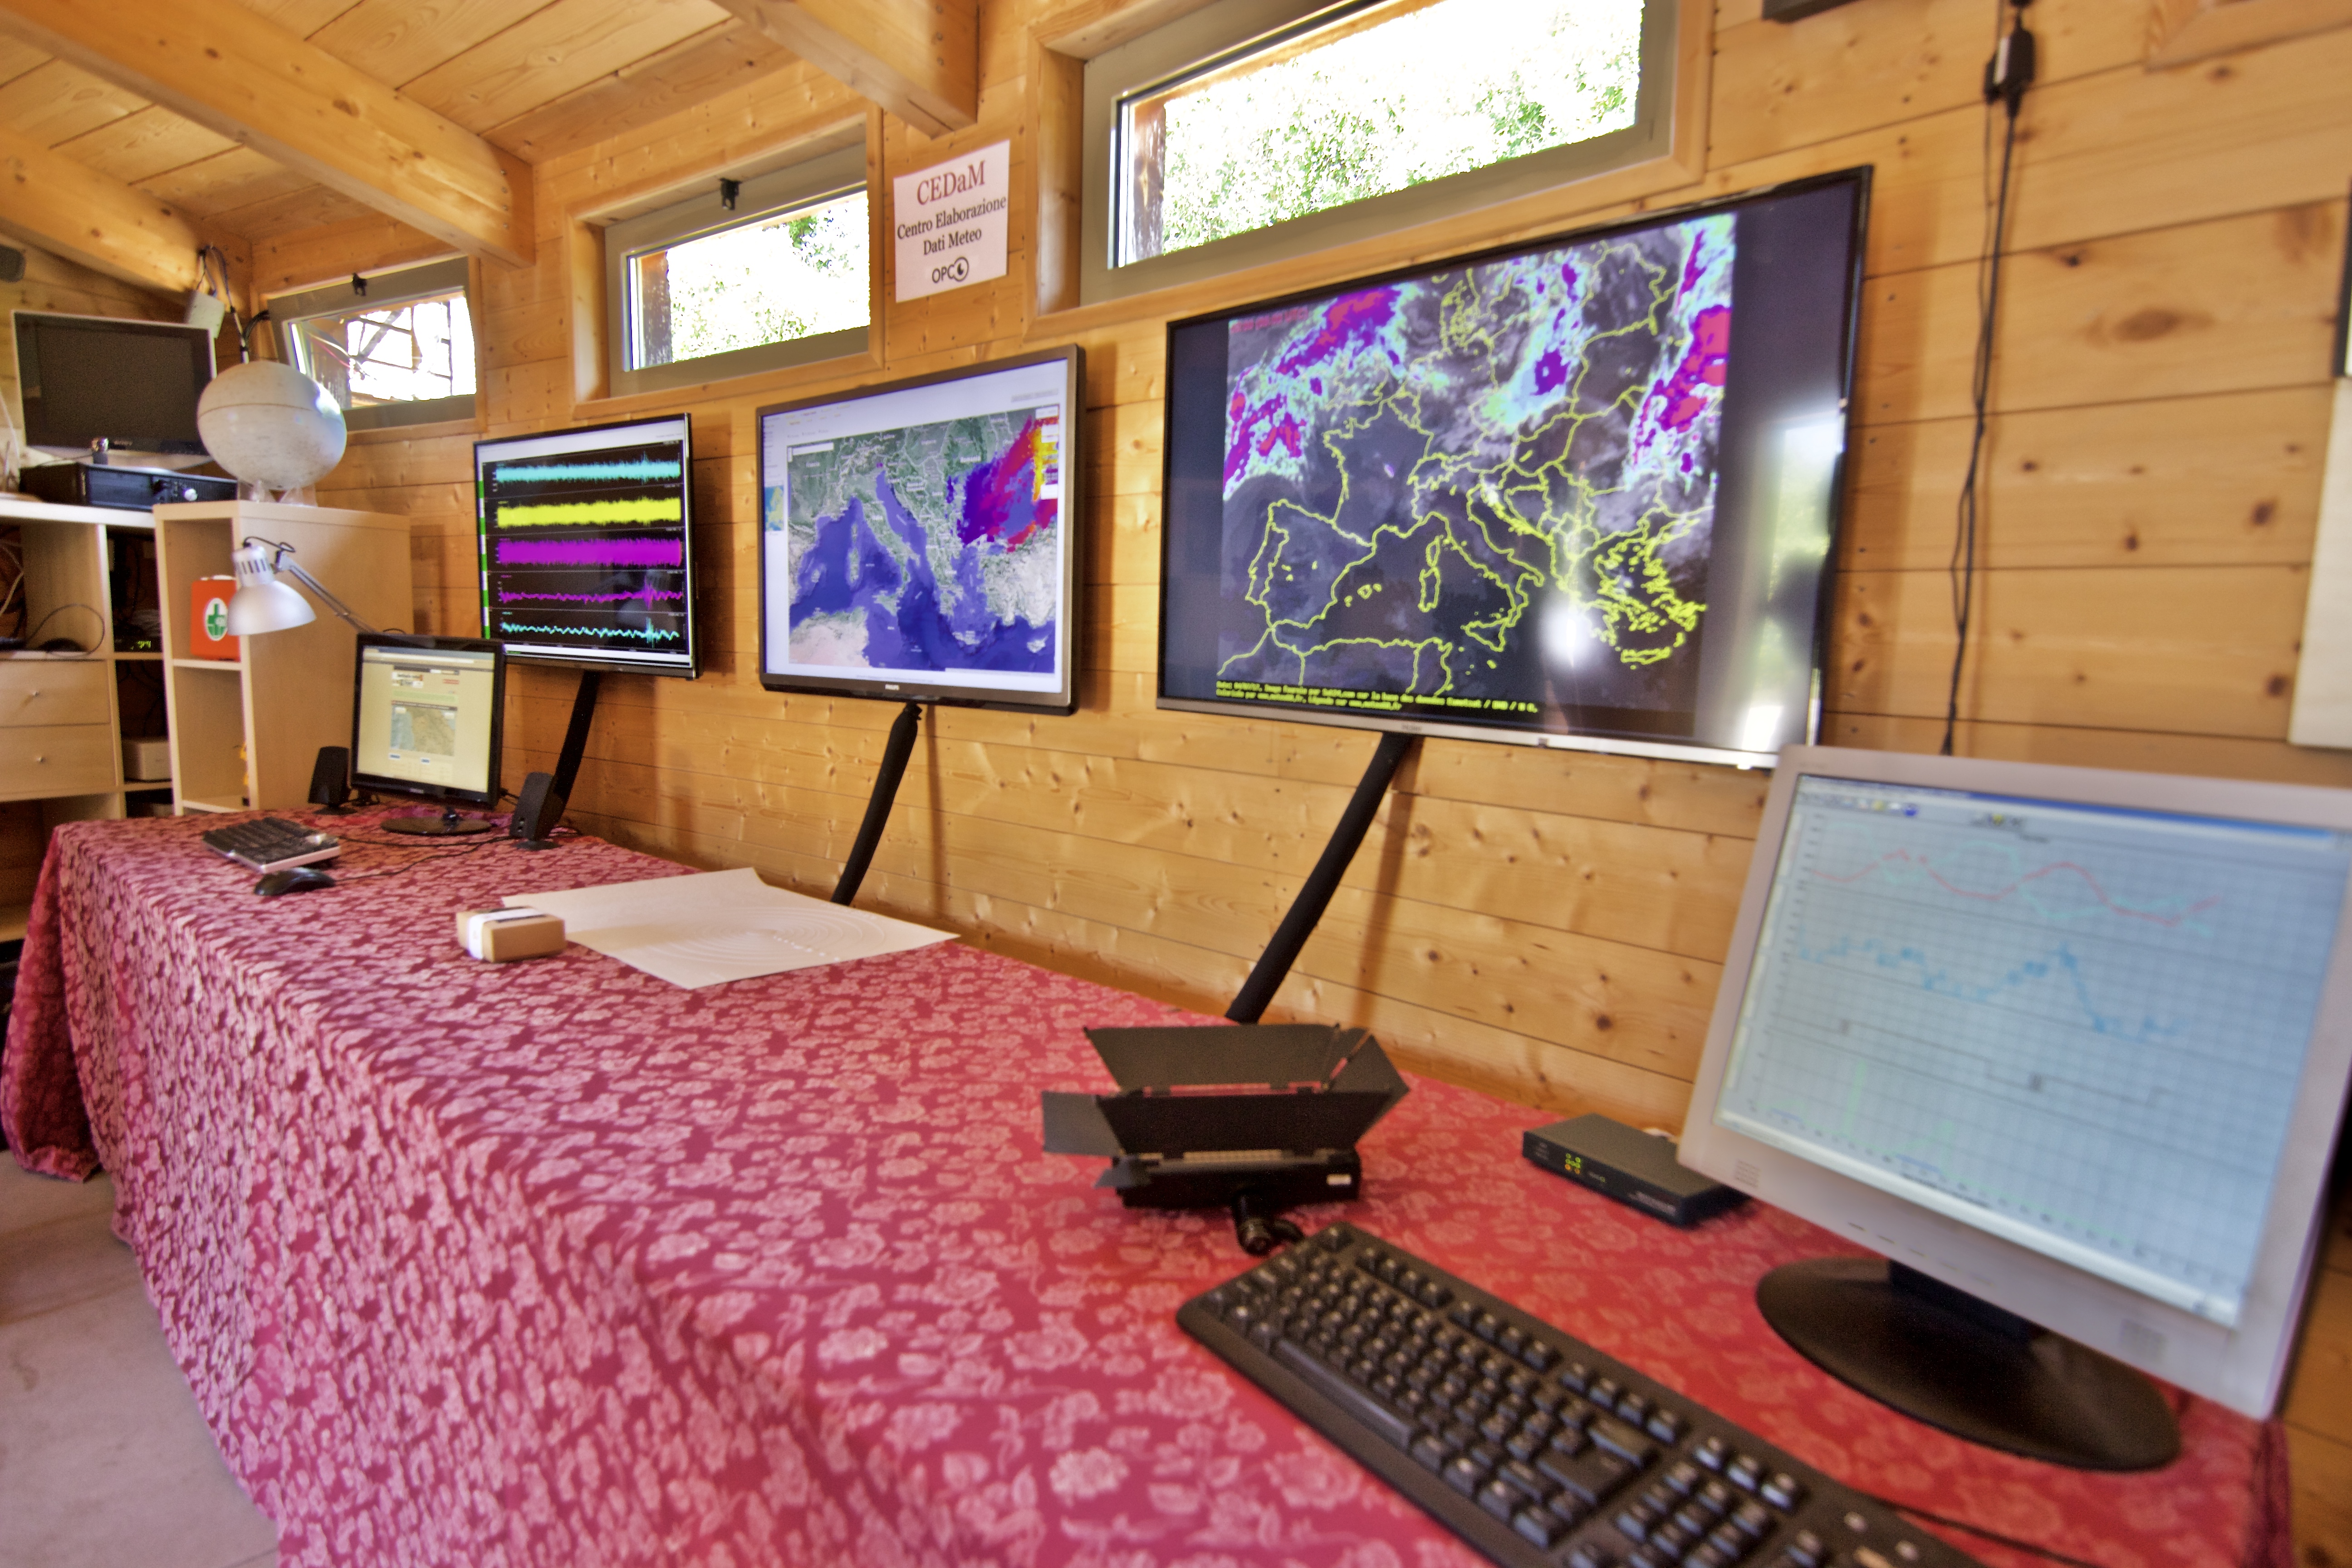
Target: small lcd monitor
[(1580, 492), (427, 724), (587, 546), (916, 539), (2067, 1049), (132, 384)]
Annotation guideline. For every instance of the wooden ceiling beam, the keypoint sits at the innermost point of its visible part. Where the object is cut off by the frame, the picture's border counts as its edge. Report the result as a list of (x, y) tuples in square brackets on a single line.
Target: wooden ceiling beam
[(63, 207), (920, 59), (226, 68)]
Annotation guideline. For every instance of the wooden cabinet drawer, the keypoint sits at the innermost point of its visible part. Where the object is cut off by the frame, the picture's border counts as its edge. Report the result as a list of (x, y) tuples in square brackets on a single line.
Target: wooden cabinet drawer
[(56, 758), (52, 691)]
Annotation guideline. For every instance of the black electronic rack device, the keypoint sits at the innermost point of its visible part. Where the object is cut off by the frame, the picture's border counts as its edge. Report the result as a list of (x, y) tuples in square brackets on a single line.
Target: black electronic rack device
[(1636, 1168)]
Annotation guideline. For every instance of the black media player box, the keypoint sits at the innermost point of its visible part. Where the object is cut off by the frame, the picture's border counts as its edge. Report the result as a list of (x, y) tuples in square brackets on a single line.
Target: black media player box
[(1638, 1169), (131, 490)]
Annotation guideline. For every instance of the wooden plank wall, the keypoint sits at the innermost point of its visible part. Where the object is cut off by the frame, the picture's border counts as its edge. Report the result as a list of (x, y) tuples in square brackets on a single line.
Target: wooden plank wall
[(1545, 925)]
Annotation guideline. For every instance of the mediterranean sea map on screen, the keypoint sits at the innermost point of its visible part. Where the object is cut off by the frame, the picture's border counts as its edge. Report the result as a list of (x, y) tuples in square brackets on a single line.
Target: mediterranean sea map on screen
[(1492, 487), (926, 548)]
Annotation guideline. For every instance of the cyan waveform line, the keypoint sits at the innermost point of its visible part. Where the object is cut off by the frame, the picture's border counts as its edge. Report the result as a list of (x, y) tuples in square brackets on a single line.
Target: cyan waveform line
[(642, 634), (1905, 958), (591, 552), (556, 514), (1901, 865), (631, 595), (639, 468)]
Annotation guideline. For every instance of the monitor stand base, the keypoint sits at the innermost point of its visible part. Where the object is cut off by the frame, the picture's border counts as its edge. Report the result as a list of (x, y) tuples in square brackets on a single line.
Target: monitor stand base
[(1977, 1371), (448, 825)]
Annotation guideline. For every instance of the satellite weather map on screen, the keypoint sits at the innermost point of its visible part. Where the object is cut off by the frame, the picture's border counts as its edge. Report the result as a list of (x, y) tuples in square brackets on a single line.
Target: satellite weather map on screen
[(586, 553), (914, 539), (1524, 492)]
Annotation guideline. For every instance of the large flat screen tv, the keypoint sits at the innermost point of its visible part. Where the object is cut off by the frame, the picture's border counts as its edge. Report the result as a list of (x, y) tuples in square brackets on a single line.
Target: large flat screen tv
[(916, 542), (587, 546), (132, 384), (1578, 493)]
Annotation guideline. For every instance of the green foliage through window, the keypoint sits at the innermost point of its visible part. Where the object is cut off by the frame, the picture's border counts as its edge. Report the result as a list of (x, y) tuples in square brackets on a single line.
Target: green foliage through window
[(768, 280), (1359, 111)]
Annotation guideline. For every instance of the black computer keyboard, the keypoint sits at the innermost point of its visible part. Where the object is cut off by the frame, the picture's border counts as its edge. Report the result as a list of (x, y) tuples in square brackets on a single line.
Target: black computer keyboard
[(1528, 1443), (271, 844)]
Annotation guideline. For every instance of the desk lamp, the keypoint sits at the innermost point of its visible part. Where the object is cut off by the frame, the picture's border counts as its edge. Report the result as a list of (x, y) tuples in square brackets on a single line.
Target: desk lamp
[(263, 604)]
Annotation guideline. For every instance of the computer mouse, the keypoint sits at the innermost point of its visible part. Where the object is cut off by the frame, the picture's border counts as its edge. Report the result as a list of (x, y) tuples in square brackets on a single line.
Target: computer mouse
[(293, 880)]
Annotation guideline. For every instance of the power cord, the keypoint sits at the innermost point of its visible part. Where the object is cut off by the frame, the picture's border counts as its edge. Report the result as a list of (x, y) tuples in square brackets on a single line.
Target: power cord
[(2007, 76)]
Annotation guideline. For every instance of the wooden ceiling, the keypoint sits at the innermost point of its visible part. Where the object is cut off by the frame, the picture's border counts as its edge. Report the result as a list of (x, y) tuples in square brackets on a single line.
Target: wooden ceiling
[(181, 120)]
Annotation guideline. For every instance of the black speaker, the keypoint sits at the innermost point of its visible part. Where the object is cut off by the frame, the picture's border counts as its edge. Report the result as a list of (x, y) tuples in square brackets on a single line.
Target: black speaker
[(330, 778), (536, 812)]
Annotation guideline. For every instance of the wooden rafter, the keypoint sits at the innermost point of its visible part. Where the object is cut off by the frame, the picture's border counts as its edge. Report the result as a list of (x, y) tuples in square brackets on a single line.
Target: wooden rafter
[(63, 207), (247, 78), (917, 58)]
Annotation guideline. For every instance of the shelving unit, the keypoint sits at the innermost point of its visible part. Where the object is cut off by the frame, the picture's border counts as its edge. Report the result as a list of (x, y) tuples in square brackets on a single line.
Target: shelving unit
[(247, 732), (61, 720)]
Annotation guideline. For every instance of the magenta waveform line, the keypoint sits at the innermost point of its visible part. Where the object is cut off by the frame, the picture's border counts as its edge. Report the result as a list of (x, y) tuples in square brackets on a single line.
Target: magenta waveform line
[(592, 553), (2091, 882), (634, 593)]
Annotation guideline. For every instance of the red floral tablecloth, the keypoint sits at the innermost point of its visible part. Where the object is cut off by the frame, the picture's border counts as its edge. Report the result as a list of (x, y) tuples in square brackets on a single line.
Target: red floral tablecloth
[(553, 1263)]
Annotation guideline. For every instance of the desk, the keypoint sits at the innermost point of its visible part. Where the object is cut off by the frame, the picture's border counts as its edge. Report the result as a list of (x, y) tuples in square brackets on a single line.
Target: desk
[(554, 1264)]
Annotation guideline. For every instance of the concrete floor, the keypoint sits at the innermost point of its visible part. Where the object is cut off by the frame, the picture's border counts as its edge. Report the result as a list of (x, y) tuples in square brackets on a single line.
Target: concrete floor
[(104, 1461)]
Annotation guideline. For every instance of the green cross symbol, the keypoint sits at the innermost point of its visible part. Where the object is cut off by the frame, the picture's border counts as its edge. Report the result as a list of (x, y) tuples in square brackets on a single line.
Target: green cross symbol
[(216, 619)]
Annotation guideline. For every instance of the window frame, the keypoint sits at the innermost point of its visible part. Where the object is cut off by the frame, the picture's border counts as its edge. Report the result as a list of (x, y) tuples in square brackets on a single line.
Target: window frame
[(395, 286), (759, 198), (1225, 30)]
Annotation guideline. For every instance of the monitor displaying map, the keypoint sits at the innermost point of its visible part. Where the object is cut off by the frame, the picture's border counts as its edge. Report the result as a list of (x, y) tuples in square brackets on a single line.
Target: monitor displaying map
[(915, 540), (1582, 493)]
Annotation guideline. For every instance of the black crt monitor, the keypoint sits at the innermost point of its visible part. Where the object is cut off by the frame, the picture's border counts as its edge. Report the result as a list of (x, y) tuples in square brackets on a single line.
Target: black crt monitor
[(426, 721), (132, 384), (1581, 492), (586, 545), (917, 540), (2068, 1049)]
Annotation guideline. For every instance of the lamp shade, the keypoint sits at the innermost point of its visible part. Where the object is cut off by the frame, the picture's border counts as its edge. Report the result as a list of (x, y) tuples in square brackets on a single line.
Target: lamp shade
[(262, 603), (271, 607)]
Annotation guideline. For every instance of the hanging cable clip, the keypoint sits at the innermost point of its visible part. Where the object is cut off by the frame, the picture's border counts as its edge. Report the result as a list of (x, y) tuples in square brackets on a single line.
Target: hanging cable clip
[(2011, 71)]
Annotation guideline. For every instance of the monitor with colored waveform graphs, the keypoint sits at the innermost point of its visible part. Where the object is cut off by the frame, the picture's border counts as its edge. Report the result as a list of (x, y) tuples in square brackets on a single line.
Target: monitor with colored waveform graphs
[(916, 538), (587, 551), (1581, 492), (2070, 1042)]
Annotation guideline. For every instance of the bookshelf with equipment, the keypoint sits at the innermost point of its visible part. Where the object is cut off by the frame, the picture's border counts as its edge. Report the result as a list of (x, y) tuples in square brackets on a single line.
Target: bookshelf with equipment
[(65, 715)]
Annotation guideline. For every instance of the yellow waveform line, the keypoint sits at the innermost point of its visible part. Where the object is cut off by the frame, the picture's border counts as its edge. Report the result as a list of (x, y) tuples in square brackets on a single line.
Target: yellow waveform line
[(647, 509)]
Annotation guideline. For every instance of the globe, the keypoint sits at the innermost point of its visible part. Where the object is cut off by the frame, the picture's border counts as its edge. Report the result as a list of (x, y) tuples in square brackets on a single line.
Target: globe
[(272, 426)]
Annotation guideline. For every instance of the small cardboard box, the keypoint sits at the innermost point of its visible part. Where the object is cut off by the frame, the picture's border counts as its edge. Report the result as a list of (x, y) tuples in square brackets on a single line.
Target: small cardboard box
[(208, 618), (146, 759), (501, 936)]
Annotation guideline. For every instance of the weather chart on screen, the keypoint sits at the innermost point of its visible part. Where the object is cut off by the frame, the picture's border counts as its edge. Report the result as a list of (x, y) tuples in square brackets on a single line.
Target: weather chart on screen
[(586, 545)]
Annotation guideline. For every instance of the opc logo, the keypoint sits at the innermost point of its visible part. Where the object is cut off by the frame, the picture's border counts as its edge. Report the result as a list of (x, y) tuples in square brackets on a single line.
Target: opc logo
[(955, 271)]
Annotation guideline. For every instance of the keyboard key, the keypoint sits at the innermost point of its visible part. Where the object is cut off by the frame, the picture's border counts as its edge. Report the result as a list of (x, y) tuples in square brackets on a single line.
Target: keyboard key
[(1635, 1521), (1500, 1499), (1465, 1475), (1667, 1426), (1433, 1450), (1539, 1527), (1782, 1490), (1746, 1472), (1591, 1556), (1592, 1475), (1621, 1440), (1712, 1452)]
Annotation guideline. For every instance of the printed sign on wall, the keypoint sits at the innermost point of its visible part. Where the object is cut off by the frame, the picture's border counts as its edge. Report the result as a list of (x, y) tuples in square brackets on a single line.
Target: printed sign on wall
[(951, 220)]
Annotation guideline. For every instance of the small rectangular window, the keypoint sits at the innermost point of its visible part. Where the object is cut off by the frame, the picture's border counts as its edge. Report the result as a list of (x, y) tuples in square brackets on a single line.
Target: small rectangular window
[(401, 352), (699, 292), (1256, 130)]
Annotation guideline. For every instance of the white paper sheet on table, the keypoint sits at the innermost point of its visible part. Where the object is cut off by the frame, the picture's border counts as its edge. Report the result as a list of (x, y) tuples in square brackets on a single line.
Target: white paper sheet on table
[(719, 926)]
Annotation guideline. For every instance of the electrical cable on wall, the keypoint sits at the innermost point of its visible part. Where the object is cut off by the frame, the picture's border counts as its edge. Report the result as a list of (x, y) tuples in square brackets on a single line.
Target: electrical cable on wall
[(2007, 76)]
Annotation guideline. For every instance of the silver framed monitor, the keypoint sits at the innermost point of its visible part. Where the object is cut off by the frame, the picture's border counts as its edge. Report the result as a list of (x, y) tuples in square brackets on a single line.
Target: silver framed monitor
[(428, 716), (2059, 1043)]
